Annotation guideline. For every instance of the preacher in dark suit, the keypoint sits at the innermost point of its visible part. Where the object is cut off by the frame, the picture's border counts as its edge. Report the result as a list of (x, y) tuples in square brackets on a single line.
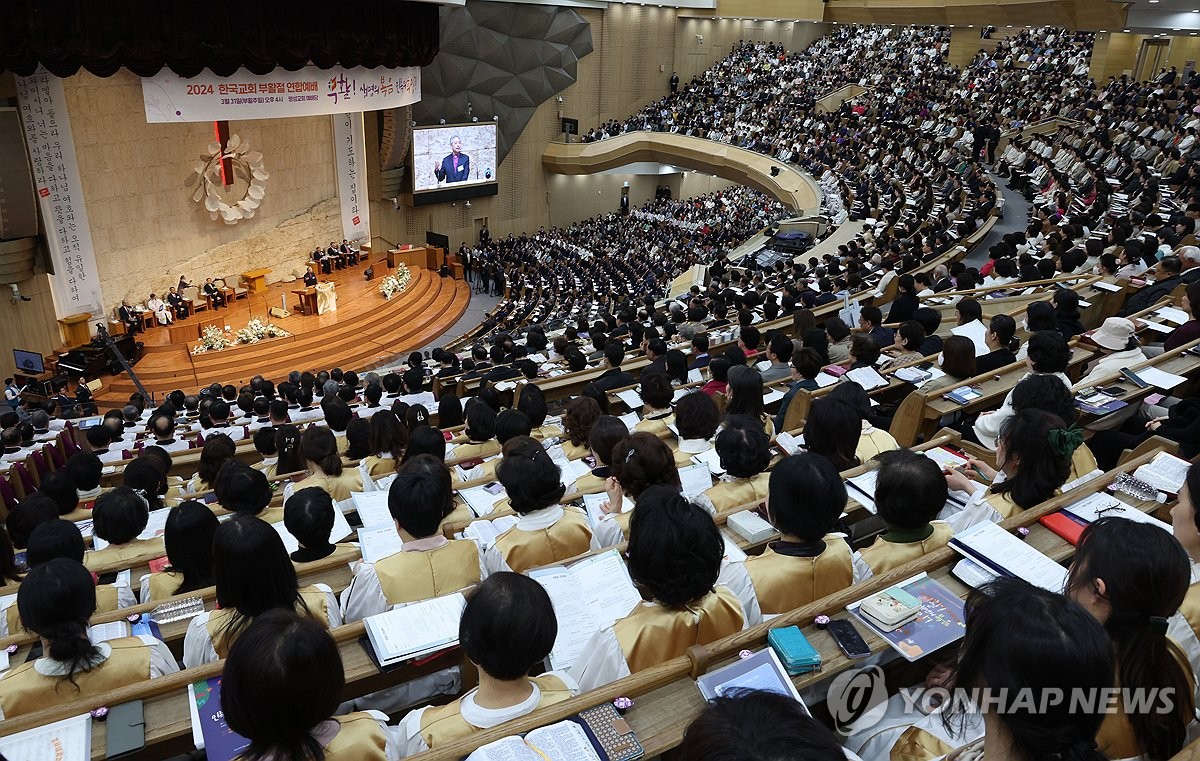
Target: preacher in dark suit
[(456, 167)]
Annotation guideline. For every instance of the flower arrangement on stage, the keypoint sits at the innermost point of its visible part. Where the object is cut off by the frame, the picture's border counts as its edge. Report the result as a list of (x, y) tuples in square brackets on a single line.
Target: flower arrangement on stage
[(215, 339), (257, 330), (395, 283)]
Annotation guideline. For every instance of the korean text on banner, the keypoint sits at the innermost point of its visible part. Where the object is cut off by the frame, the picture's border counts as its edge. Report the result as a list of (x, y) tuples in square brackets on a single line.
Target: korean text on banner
[(349, 147), (305, 92)]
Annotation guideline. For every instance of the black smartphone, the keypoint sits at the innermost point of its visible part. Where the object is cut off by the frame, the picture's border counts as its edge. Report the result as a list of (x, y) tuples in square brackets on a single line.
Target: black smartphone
[(125, 729), (848, 640), (1113, 390), (1133, 377)]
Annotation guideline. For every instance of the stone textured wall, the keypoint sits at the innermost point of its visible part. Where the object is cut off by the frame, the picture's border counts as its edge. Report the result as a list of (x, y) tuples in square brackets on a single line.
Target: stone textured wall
[(146, 229)]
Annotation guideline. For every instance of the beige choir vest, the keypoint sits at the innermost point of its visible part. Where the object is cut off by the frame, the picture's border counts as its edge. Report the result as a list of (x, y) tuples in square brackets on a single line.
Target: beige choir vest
[(568, 537), (445, 724), (218, 620), (411, 576), (360, 738), (784, 582), (106, 602), (883, 556), (743, 491), (23, 690), (653, 634)]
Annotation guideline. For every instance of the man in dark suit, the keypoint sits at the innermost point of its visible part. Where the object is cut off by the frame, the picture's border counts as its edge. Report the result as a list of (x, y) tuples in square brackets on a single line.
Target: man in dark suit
[(656, 352), (326, 263), (214, 293), (699, 351), (129, 316), (175, 299), (310, 278), (614, 376), (335, 256), (456, 167)]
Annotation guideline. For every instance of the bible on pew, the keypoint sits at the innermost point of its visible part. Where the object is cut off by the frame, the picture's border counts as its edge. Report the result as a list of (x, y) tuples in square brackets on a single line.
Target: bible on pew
[(564, 741)]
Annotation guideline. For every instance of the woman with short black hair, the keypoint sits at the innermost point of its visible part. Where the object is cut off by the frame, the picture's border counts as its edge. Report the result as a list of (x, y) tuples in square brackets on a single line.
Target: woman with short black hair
[(546, 532), (218, 448), (674, 558), (282, 684), (507, 628), (744, 450), (252, 574), (639, 462), (325, 469), (120, 515), (56, 601)]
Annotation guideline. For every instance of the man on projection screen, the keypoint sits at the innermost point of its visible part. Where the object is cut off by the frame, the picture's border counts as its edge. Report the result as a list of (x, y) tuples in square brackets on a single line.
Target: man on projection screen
[(456, 167)]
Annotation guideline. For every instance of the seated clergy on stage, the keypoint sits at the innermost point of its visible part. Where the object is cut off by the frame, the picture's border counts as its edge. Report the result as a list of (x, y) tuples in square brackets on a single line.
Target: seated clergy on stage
[(910, 491), (546, 532), (318, 255), (55, 601), (674, 558), (129, 316), (161, 313), (507, 628), (310, 278), (429, 565), (177, 303), (214, 293)]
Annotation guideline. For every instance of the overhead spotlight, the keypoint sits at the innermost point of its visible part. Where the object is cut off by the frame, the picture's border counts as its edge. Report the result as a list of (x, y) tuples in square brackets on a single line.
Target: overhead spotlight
[(412, 123), (559, 99), (474, 118), (441, 121), (495, 118)]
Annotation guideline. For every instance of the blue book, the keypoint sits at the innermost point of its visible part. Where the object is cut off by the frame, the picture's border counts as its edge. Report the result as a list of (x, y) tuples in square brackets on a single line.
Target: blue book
[(209, 729)]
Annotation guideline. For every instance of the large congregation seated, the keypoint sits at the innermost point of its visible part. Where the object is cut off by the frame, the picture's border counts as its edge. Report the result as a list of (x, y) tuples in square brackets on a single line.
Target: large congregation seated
[(245, 484)]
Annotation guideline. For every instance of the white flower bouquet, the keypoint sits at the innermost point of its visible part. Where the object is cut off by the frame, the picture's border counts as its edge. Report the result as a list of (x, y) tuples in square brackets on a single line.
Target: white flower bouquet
[(396, 282)]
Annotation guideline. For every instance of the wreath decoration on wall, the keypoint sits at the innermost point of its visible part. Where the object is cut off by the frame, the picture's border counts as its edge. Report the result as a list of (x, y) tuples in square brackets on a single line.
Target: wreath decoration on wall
[(242, 197)]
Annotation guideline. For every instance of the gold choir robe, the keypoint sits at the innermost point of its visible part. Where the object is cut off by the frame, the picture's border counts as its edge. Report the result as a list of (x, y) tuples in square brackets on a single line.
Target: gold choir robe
[(444, 724), (23, 690), (884, 555), (412, 576), (654, 634), (784, 582), (568, 537), (314, 599)]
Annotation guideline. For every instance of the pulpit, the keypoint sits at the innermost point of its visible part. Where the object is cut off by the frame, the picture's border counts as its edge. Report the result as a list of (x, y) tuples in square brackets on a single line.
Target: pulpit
[(306, 300), (256, 280), (74, 328)]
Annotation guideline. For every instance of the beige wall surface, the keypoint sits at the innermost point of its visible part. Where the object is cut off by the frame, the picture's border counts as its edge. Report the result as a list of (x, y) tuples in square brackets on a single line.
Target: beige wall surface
[(146, 229)]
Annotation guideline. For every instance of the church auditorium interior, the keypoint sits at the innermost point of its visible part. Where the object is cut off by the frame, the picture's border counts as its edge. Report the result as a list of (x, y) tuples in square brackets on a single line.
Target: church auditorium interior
[(710, 380)]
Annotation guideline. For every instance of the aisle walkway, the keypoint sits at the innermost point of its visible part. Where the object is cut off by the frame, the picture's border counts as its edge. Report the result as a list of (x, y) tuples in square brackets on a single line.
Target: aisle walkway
[(1016, 217)]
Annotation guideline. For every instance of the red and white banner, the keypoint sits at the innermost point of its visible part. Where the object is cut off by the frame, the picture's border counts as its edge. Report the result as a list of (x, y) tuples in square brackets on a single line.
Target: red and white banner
[(306, 92), (75, 283), (349, 153)]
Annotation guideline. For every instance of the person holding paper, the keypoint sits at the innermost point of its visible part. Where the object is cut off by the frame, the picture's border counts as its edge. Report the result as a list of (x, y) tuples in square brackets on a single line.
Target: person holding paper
[(546, 532), (56, 601), (324, 463), (282, 685), (910, 491), (252, 574), (507, 628), (640, 461), (745, 452), (1190, 330), (1048, 354), (427, 565), (808, 562), (674, 557), (1132, 577), (1034, 458), (187, 538)]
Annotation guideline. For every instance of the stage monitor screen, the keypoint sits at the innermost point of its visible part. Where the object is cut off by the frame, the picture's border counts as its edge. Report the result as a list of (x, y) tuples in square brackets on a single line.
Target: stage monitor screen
[(452, 157), (29, 362)]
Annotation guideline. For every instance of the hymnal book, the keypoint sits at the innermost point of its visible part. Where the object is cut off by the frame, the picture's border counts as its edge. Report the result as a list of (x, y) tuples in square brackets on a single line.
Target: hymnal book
[(825, 379), (1006, 555), (66, 740), (939, 622), (372, 508), (695, 480), (588, 597), (564, 741), (1102, 285), (570, 471), (378, 543), (890, 609), (630, 419), (963, 394), (788, 443), (415, 630), (867, 377), (592, 503), (1165, 472), (861, 489), (695, 376), (482, 499), (485, 532), (914, 375), (209, 730), (761, 671)]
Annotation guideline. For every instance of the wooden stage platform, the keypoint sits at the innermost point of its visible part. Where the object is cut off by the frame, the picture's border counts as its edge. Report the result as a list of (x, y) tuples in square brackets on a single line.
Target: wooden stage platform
[(365, 332)]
